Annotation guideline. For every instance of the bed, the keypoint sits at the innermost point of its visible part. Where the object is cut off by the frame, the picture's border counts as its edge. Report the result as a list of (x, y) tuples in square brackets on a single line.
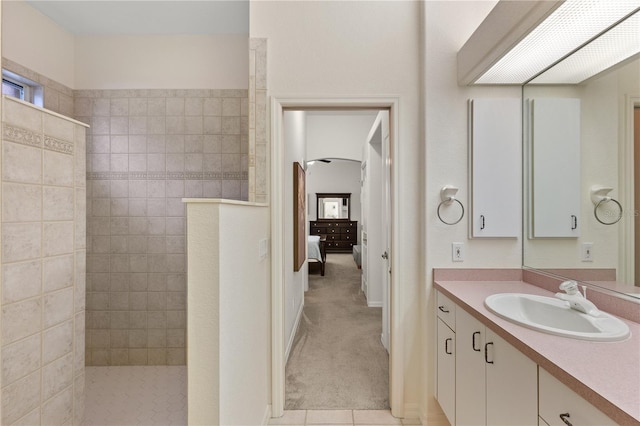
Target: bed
[(316, 250)]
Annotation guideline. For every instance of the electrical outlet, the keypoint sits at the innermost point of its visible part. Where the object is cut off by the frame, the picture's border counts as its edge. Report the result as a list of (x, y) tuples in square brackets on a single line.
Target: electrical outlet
[(587, 252), (457, 252)]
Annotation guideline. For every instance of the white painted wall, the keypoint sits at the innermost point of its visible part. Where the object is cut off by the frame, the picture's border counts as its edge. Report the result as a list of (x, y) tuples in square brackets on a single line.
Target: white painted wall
[(33, 40), (363, 48), (338, 134), (162, 62), (123, 62), (337, 176), (294, 282), (447, 26), (228, 323)]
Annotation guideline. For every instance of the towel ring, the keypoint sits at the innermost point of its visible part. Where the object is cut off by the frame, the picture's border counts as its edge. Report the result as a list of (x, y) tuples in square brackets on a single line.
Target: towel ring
[(450, 200), (606, 200)]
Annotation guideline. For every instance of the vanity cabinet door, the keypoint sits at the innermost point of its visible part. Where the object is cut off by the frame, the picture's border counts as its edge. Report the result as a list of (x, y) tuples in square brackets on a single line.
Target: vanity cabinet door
[(558, 400), (446, 376), (512, 384), (495, 141), (470, 370), (554, 166)]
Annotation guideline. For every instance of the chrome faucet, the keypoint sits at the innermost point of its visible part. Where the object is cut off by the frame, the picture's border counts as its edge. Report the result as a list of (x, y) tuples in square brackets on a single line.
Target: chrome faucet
[(575, 299)]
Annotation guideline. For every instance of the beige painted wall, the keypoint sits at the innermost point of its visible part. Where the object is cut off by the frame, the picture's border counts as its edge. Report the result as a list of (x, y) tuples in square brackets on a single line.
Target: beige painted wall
[(123, 62), (33, 40), (162, 62)]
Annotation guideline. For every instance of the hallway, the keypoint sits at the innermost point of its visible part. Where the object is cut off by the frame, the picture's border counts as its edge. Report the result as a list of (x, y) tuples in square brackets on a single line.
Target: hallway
[(337, 360)]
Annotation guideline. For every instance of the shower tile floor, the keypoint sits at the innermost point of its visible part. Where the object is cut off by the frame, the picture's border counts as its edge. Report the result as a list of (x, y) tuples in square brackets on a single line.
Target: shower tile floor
[(140, 395)]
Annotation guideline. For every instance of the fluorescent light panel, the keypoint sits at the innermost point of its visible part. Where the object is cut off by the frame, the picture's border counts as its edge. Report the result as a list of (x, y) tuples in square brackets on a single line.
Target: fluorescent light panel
[(571, 25), (616, 45)]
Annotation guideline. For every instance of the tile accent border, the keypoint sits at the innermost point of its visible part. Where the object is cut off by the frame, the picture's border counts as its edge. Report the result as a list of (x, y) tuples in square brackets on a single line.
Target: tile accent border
[(166, 175), (30, 138), (21, 136)]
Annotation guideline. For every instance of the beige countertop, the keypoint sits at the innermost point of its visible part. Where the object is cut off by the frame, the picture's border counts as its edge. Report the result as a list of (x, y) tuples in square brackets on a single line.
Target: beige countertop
[(607, 374)]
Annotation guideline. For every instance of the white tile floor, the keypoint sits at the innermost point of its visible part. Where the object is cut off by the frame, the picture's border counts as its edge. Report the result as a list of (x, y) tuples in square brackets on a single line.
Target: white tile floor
[(340, 417), (127, 396)]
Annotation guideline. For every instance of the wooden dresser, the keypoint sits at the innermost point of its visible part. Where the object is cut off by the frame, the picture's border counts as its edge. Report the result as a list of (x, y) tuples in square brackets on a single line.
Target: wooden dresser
[(342, 235)]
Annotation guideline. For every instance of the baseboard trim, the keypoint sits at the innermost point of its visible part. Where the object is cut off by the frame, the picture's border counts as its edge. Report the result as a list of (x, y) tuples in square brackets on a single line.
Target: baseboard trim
[(374, 304), (412, 411), (293, 333), (267, 415)]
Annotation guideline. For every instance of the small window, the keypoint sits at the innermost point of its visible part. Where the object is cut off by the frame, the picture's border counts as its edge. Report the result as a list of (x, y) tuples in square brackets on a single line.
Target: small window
[(12, 89), (21, 88)]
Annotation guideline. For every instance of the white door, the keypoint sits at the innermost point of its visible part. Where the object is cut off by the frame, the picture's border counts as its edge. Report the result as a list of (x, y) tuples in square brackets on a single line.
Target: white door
[(386, 231), (364, 249)]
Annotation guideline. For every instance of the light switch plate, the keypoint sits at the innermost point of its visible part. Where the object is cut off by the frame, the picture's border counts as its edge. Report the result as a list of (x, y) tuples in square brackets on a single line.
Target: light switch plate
[(457, 252)]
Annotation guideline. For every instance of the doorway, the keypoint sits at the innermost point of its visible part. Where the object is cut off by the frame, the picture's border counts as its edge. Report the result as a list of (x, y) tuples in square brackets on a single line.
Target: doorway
[(280, 167)]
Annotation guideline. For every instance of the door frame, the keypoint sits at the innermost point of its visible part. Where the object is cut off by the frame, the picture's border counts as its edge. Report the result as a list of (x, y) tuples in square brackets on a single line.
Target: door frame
[(626, 262), (277, 193)]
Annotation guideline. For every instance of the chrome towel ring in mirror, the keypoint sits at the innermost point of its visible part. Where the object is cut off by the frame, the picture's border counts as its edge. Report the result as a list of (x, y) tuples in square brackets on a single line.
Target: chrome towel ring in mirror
[(447, 195), (599, 197)]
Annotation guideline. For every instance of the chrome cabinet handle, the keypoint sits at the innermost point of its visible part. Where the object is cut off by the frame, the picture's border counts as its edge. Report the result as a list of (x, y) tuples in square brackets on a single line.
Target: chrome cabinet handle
[(446, 346), (574, 219), (442, 309), (486, 352), (473, 341), (482, 218), (564, 418)]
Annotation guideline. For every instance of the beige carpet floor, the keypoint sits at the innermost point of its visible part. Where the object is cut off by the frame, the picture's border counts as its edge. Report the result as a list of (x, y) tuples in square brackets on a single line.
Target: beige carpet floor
[(337, 360)]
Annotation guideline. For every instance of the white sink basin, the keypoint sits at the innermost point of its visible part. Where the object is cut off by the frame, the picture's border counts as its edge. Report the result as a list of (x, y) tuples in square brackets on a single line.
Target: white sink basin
[(554, 316)]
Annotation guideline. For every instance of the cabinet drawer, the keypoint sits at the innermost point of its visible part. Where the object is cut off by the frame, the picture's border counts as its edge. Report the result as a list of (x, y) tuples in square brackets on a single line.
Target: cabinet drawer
[(446, 310), (557, 399)]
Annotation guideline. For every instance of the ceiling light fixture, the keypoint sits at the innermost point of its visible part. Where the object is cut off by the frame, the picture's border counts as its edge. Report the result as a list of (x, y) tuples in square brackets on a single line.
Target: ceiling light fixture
[(519, 40)]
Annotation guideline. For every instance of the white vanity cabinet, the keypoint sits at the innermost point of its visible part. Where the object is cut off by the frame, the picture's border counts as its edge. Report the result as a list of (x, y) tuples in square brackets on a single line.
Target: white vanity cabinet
[(558, 402), (446, 378), (495, 383)]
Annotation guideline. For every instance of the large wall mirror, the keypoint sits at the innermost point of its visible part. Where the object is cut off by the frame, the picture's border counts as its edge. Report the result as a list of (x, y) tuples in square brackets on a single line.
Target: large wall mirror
[(333, 206), (601, 244)]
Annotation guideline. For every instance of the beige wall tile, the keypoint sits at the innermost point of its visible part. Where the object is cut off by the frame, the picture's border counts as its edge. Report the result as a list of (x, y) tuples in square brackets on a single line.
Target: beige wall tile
[(58, 169), (58, 127), (138, 356), (58, 307), (20, 359), (21, 203), (21, 241), (20, 398), (78, 399), (21, 281), (57, 238), (24, 116), (58, 272), (176, 356), (59, 409), (21, 163), (157, 356), (156, 338), (56, 376), (32, 418), (57, 341), (59, 203)]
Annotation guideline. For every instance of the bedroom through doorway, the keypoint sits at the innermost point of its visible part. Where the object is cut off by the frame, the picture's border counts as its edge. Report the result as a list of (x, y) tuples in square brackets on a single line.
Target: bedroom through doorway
[(335, 336)]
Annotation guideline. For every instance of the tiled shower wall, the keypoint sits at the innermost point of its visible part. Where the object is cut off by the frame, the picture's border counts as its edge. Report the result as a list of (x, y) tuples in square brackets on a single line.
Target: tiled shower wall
[(147, 149), (43, 266)]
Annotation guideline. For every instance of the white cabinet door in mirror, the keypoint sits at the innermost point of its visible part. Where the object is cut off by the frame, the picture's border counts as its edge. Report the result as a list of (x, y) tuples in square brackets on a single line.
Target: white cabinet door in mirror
[(496, 169), (554, 165)]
